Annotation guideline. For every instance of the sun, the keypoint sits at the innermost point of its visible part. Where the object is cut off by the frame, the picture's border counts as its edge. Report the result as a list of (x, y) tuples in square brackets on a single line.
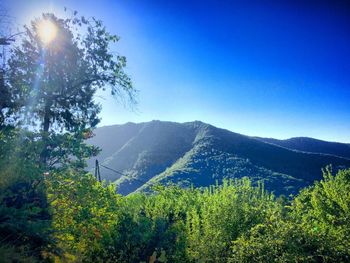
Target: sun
[(47, 31)]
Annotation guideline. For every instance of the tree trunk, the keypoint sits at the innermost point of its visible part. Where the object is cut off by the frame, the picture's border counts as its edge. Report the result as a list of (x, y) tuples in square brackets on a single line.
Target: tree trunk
[(46, 127), (46, 123)]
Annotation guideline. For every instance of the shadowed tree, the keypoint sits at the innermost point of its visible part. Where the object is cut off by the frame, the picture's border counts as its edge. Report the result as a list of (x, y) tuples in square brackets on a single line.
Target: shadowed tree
[(5, 40), (47, 110)]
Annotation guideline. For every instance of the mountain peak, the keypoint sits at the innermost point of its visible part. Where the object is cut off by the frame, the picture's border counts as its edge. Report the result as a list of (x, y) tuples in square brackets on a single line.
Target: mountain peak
[(199, 154)]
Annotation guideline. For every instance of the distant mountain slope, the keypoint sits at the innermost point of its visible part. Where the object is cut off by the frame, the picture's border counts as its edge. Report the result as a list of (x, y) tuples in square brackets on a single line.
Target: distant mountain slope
[(199, 154), (112, 138), (306, 144)]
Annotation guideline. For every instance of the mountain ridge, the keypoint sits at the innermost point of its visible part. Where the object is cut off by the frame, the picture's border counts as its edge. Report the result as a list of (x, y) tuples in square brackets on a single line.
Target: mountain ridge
[(200, 154), (308, 144)]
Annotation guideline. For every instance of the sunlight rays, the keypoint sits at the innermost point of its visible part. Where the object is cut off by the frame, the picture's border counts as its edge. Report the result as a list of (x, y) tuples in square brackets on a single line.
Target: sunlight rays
[(47, 31)]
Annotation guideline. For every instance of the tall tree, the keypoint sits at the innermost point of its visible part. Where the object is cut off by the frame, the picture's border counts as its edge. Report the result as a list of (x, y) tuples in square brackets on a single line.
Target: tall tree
[(55, 72), (5, 40), (55, 79), (49, 84)]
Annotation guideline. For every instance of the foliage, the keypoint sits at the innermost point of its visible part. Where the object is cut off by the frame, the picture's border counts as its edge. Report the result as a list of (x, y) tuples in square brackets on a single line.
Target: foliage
[(324, 211), (25, 219), (52, 210), (53, 84), (315, 229), (50, 87), (312, 145), (84, 213), (67, 215), (234, 222), (200, 154), (25, 224), (47, 111)]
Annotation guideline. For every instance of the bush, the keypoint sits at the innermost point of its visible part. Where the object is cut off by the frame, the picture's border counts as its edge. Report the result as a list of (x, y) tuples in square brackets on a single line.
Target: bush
[(315, 229), (25, 222)]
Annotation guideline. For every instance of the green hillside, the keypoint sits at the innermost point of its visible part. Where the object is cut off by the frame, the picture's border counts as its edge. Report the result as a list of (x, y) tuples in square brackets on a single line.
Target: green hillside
[(306, 144), (200, 154)]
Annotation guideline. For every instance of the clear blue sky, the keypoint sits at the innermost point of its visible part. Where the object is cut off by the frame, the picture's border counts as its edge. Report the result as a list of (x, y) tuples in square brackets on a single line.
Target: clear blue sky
[(267, 68)]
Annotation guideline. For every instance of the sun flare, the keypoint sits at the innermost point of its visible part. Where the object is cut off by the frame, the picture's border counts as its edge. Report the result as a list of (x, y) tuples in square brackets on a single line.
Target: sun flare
[(47, 31)]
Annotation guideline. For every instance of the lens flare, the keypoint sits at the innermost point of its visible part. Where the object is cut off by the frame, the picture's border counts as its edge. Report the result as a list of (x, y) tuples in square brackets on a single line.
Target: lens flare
[(47, 31)]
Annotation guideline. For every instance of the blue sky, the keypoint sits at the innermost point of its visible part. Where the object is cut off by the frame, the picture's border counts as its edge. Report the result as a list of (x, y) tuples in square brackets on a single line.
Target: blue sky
[(268, 68)]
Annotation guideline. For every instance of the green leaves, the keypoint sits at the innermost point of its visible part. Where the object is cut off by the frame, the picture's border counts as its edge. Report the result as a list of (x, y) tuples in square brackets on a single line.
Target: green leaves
[(314, 229), (51, 86), (68, 215), (84, 212), (234, 222), (24, 218)]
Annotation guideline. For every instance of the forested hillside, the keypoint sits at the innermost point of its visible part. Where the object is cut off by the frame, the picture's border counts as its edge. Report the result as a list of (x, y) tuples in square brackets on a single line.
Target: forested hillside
[(306, 144), (200, 154)]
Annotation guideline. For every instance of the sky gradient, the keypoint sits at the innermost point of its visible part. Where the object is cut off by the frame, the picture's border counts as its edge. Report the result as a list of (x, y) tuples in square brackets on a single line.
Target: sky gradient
[(268, 68)]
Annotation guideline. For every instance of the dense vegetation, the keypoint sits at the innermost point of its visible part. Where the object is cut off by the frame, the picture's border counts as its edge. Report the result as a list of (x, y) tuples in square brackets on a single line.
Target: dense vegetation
[(52, 210), (306, 144), (199, 154), (68, 215)]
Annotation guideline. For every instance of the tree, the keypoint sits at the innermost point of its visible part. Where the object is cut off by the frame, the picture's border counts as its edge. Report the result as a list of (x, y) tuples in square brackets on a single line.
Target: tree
[(50, 86), (55, 72), (5, 40), (25, 224)]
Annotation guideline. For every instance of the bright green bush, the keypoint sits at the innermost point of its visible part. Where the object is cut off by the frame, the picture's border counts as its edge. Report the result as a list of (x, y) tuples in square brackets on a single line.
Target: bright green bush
[(323, 210), (314, 229), (84, 212), (234, 222)]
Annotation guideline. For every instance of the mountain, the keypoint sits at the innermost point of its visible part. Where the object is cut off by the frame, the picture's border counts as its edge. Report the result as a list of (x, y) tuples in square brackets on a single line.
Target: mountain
[(312, 145), (199, 154)]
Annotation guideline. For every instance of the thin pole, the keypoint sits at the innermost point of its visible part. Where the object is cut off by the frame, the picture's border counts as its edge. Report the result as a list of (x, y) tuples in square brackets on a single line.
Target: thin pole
[(96, 165), (97, 171)]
